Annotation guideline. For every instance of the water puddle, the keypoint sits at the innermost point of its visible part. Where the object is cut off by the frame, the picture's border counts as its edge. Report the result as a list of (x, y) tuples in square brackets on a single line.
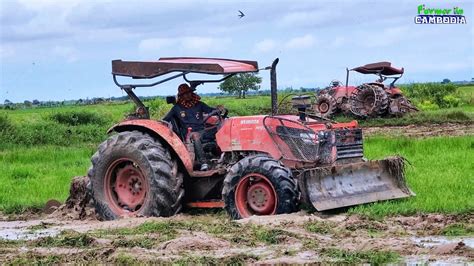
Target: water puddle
[(434, 241), (22, 234)]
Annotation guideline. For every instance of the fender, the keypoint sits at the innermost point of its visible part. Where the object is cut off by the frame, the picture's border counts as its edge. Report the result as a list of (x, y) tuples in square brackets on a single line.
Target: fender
[(159, 130)]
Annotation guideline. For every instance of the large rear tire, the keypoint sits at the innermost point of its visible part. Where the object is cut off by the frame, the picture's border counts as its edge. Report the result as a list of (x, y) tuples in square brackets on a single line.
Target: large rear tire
[(259, 185), (133, 174), (325, 105), (369, 100)]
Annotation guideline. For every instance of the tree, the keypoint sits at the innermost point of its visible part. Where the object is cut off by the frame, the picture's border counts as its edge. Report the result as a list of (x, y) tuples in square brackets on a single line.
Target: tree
[(445, 81), (241, 83), (7, 102), (27, 103), (36, 102)]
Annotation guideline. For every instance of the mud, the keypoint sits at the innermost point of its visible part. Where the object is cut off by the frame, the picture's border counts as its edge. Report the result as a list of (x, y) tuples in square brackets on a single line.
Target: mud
[(290, 238), (421, 131)]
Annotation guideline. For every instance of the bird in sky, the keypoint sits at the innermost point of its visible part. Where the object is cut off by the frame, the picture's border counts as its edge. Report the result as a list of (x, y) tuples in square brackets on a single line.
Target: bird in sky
[(241, 15)]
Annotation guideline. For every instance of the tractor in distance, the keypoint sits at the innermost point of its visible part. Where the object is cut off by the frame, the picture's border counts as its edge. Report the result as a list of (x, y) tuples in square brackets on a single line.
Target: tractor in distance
[(259, 165), (374, 99)]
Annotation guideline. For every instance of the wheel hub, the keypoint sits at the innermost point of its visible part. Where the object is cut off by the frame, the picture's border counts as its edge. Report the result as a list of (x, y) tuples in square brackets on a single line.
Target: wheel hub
[(260, 198), (126, 186), (323, 107), (255, 195)]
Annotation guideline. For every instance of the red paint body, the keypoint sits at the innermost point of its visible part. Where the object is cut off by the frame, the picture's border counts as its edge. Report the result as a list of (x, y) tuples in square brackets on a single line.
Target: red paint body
[(248, 133)]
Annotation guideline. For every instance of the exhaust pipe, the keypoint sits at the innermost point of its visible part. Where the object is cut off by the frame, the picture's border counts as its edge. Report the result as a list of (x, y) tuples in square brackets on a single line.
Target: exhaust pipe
[(273, 87)]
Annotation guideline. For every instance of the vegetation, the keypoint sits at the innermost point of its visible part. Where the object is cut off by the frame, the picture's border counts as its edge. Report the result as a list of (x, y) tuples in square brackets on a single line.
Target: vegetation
[(41, 149), (373, 257), (241, 83)]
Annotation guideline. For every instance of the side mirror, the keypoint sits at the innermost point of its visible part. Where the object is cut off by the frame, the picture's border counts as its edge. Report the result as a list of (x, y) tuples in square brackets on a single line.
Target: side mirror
[(170, 99)]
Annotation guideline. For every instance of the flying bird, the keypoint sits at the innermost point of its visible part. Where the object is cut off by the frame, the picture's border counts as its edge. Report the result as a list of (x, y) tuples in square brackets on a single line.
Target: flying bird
[(241, 15)]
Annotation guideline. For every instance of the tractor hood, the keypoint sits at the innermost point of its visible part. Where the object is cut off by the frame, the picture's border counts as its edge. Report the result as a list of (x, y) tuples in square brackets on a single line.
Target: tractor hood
[(285, 137)]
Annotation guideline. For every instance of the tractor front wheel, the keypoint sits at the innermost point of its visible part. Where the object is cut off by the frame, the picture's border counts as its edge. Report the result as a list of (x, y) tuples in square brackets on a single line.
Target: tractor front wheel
[(132, 174), (259, 185)]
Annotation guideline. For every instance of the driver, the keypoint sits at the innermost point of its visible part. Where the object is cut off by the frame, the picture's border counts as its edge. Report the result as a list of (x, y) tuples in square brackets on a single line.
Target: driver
[(189, 110)]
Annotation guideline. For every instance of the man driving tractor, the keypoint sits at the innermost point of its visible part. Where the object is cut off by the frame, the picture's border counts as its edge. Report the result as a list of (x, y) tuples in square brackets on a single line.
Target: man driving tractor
[(189, 112)]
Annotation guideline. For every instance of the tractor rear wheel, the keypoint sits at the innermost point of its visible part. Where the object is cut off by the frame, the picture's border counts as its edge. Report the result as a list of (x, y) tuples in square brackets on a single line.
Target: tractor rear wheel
[(132, 174), (259, 185), (369, 100), (325, 105)]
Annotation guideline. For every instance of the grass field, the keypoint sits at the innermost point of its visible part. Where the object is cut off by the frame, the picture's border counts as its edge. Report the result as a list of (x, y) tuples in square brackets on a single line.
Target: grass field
[(41, 149), (439, 173)]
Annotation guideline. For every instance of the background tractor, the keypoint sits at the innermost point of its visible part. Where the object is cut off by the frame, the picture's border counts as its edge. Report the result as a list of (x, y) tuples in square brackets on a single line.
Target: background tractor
[(259, 165), (373, 99)]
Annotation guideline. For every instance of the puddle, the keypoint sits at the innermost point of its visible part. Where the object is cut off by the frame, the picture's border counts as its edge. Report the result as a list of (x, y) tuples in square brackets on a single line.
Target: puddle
[(22, 234), (427, 260), (434, 241)]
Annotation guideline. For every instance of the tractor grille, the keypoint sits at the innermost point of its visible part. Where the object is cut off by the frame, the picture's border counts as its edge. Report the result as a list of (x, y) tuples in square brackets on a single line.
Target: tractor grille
[(349, 143), (301, 142)]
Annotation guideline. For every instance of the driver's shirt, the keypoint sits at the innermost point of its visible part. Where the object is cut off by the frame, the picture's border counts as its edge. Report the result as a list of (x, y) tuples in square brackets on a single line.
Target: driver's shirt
[(189, 117)]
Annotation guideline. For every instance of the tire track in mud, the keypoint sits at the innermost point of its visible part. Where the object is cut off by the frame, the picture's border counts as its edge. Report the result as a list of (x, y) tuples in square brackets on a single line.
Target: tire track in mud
[(422, 131)]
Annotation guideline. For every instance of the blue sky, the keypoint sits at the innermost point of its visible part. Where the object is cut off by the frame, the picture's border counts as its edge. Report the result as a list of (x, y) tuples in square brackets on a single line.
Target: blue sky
[(57, 50)]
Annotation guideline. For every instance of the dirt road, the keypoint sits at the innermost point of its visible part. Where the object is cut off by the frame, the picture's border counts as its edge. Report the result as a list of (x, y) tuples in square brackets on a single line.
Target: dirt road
[(212, 238)]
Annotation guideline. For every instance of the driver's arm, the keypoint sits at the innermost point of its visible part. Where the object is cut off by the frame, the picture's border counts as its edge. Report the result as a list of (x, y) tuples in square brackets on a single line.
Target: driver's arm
[(206, 108), (170, 115)]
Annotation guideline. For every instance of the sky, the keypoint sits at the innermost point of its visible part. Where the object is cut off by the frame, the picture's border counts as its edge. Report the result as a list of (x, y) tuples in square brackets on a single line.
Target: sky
[(62, 50)]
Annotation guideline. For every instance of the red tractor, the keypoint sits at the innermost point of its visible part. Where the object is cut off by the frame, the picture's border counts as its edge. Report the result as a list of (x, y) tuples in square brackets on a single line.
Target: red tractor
[(373, 99), (259, 165)]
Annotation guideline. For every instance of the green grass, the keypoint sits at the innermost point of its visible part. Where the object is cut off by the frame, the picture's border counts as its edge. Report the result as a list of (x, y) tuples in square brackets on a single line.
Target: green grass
[(33, 175), (440, 173), (374, 257), (458, 229)]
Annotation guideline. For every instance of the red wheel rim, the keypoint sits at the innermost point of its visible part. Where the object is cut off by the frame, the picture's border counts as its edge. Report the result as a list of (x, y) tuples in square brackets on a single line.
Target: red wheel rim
[(126, 188), (255, 195), (323, 107)]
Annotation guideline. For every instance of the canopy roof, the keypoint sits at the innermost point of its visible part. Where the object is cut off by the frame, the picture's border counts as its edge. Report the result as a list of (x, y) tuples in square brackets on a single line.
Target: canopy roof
[(384, 68), (165, 65)]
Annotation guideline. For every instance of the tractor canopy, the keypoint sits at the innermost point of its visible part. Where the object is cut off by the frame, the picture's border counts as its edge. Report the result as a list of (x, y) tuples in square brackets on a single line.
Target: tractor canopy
[(383, 68), (165, 65)]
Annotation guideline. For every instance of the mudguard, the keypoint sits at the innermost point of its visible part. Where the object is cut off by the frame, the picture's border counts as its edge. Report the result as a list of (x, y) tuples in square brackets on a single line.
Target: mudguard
[(356, 183), (159, 130)]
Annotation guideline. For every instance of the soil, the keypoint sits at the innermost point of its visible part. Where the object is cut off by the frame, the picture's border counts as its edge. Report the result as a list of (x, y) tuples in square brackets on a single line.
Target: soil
[(414, 238), (432, 130)]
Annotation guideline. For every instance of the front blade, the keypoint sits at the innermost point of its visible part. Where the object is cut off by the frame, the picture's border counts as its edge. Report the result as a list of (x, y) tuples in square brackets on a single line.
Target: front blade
[(356, 183)]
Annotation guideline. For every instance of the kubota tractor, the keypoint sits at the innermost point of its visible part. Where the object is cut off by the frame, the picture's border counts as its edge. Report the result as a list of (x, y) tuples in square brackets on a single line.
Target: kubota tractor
[(373, 99), (259, 165)]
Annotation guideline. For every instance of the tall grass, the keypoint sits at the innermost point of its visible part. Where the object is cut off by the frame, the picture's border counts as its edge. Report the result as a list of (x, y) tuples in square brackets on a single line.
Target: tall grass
[(440, 172)]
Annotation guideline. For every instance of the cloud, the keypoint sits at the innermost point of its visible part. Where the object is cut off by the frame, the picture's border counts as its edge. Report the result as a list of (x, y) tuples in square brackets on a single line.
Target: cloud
[(190, 44), (302, 42), (264, 46), (70, 54)]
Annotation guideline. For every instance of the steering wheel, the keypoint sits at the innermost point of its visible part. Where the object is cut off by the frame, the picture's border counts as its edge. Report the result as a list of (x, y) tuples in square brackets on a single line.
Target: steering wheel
[(220, 115)]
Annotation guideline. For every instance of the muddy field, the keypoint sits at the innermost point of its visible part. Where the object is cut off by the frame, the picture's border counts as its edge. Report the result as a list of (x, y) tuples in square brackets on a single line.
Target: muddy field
[(210, 237), (433, 130), (73, 234)]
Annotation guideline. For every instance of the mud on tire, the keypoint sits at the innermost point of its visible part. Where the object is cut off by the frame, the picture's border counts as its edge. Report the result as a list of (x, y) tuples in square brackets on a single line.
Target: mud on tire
[(325, 105), (278, 177), (149, 162), (369, 100)]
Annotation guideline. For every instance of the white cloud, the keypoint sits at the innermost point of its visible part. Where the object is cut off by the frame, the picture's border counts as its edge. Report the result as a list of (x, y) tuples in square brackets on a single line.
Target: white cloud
[(386, 37), (265, 46), (191, 44), (305, 41), (155, 44), (66, 52)]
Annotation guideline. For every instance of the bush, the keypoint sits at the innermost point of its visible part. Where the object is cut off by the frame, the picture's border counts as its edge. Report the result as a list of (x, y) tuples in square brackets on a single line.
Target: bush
[(5, 123), (428, 96), (74, 118)]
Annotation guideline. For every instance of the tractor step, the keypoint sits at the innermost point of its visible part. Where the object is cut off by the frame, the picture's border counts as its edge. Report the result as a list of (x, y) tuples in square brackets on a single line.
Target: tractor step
[(206, 204)]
